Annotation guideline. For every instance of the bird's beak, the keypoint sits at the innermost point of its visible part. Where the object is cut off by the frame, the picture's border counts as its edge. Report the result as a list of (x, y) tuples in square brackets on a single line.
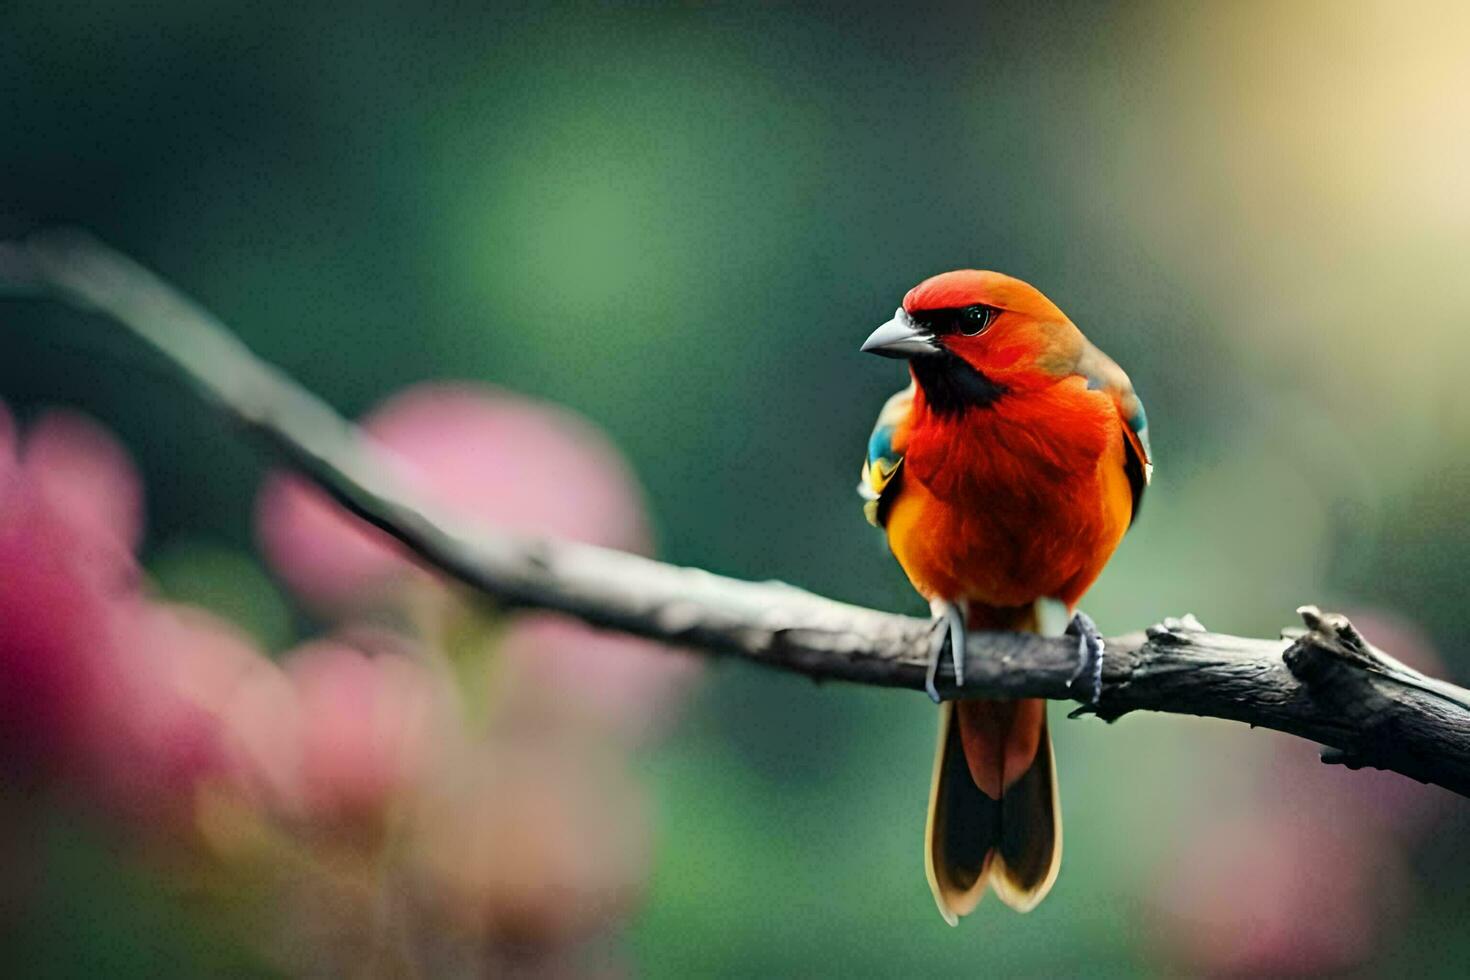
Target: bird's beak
[(900, 337)]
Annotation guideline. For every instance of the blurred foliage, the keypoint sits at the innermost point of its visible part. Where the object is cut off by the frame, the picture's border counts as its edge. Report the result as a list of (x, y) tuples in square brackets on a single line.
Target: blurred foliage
[(681, 222)]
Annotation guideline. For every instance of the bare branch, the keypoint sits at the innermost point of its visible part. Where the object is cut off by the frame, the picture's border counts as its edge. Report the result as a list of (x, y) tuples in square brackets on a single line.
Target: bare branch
[(1326, 684)]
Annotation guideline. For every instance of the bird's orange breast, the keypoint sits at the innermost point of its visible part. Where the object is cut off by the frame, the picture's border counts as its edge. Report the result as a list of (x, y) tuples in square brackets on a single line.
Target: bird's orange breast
[(1018, 501)]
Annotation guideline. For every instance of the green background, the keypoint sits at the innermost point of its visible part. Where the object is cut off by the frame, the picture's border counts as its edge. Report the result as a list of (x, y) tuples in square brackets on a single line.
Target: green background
[(682, 222)]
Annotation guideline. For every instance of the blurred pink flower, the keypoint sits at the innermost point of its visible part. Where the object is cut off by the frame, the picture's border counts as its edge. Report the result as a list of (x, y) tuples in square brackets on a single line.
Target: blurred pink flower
[(530, 833), (504, 459), (1282, 897), (630, 684), (364, 727), (65, 571), (545, 843), (53, 616), (483, 453), (120, 694), (87, 475), (170, 675)]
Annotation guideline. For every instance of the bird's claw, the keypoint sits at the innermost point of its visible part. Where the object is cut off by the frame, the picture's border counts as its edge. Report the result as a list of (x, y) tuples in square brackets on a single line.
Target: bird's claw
[(949, 629), (1087, 681), (938, 637)]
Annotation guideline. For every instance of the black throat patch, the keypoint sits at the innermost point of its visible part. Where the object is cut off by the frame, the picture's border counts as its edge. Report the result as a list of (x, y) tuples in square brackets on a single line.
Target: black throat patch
[(951, 385)]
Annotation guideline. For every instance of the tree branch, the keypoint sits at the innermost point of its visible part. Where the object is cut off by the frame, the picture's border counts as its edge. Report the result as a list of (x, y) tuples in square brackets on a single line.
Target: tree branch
[(1326, 683)]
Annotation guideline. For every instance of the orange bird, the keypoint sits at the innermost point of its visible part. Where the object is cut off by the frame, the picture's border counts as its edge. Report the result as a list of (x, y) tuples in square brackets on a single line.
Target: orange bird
[(1005, 475)]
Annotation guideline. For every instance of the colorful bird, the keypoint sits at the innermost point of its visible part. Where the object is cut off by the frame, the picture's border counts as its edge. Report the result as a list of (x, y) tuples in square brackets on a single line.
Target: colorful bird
[(1005, 475)]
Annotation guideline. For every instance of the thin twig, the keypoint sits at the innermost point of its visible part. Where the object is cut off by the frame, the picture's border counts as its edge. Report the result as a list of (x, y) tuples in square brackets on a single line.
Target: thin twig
[(1327, 685)]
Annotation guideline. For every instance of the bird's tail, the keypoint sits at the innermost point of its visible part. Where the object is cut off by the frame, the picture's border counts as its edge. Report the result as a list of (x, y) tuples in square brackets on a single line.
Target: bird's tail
[(994, 814)]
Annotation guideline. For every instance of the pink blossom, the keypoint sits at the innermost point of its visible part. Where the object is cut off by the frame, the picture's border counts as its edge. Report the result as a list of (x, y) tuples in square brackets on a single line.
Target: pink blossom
[(480, 452), (170, 717), (158, 732), (621, 681), (497, 457), (364, 727), (54, 614), (1277, 897), (87, 475), (261, 722), (544, 843), (63, 577), (120, 694)]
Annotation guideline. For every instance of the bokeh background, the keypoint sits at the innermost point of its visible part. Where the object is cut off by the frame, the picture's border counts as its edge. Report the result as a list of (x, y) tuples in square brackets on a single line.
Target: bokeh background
[(680, 223)]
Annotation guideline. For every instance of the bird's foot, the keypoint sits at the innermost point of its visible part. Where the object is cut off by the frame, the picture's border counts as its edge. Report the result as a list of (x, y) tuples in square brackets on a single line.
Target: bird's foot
[(1087, 681), (949, 629)]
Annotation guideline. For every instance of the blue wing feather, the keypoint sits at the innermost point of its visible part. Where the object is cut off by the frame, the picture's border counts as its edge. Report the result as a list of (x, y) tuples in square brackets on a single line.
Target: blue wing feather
[(880, 468)]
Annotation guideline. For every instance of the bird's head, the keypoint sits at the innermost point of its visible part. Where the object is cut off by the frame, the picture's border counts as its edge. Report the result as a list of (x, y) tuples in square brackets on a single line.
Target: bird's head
[(968, 328)]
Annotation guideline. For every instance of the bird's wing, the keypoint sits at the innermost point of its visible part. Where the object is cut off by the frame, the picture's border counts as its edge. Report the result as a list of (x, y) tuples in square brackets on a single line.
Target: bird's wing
[(1104, 374), (879, 483)]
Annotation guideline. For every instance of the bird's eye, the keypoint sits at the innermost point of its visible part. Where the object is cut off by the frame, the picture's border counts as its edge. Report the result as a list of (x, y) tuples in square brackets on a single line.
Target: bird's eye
[(974, 319)]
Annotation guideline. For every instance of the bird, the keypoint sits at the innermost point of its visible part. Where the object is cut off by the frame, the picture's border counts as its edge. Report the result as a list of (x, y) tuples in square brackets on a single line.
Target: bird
[(1004, 476)]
